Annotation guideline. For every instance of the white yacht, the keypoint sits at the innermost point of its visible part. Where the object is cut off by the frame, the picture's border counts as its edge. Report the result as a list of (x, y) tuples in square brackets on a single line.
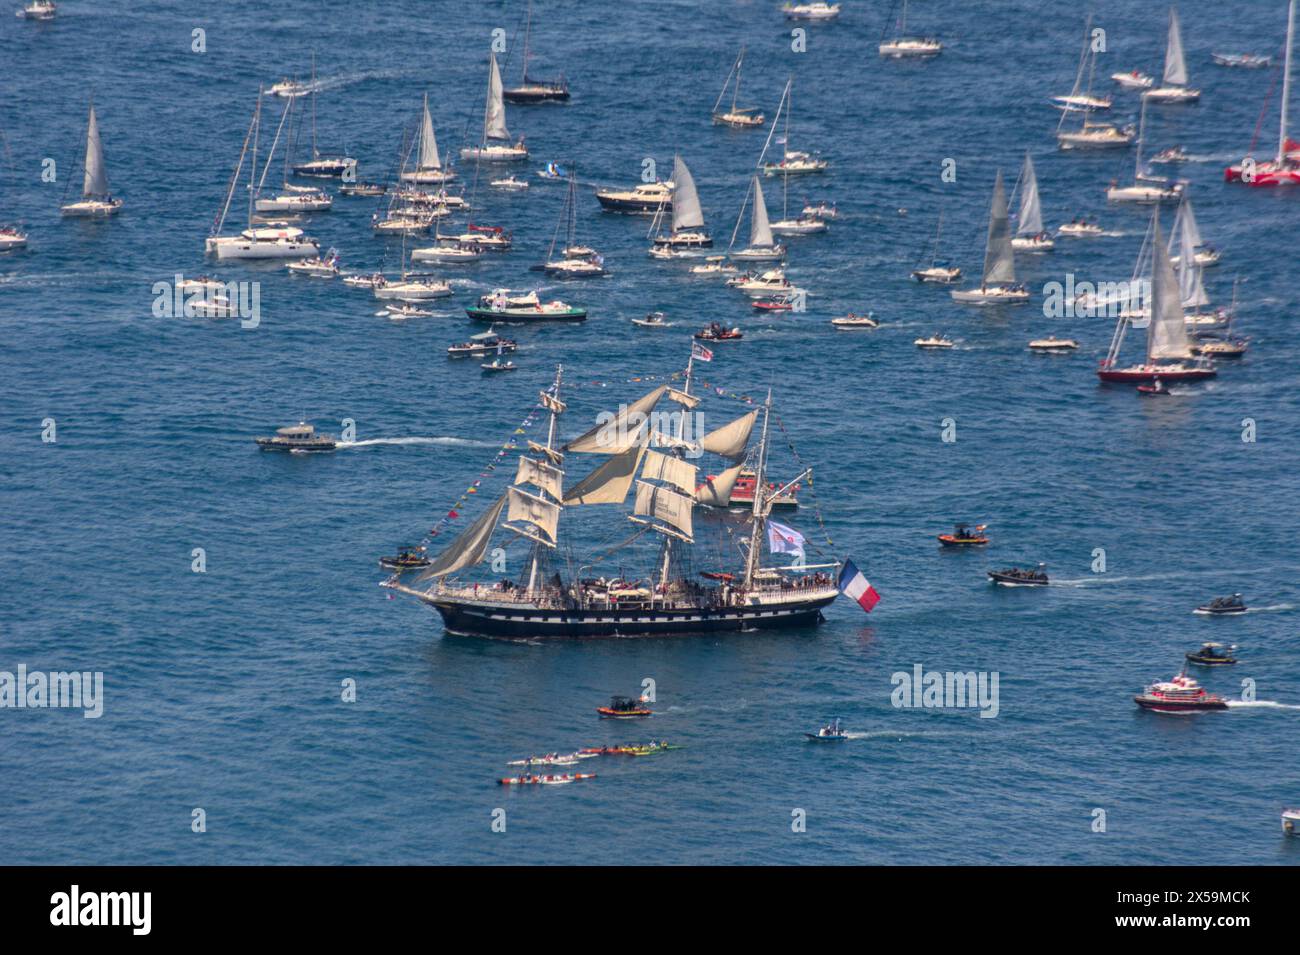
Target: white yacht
[(687, 217), (39, 10), (296, 201), (648, 198), (413, 287), (1080, 229), (428, 163), (1030, 236), (762, 247), (902, 46), (771, 281), (1096, 136), (1146, 188), (1133, 80), (998, 283), (795, 162), (448, 252), (95, 199), (495, 146), (736, 117), (811, 11), (1173, 87), (11, 237)]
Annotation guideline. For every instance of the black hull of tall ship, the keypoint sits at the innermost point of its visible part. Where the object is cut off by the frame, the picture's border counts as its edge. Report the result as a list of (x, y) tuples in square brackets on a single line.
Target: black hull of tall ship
[(524, 622)]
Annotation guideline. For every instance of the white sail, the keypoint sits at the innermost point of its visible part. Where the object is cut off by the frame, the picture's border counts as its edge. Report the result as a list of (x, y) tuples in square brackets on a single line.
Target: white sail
[(999, 260), (609, 483), (716, 491), (615, 435), (469, 548), (555, 456), (541, 513), (540, 475), (96, 181), (494, 117), (429, 158), (1030, 220), (1191, 289), (1190, 231), (730, 440), (1167, 333), (760, 232), (687, 213), (664, 504), (551, 403), (682, 398), (1175, 67), (673, 470)]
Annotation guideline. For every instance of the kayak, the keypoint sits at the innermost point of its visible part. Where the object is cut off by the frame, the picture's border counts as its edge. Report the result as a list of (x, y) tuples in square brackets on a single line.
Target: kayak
[(629, 750), (544, 780), (612, 714), (550, 759)]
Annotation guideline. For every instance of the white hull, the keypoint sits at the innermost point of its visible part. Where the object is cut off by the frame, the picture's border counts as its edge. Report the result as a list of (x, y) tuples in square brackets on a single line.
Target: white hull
[(428, 176), (1095, 140), (798, 227), (294, 204), (773, 254), (238, 247), (10, 242), (903, 48), (1171, 94), (1143, 195), (1032, 243), (937, 275), (445, 255), (1130, 82), (995, 295), (413, 291), (92, 208), (494, 153)]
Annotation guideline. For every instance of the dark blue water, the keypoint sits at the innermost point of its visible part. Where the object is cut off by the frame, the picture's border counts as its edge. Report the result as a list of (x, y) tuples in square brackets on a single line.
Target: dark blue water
[(223, 689)]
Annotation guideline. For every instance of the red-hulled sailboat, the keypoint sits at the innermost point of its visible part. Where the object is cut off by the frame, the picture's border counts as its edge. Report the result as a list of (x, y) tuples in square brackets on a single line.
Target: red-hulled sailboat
[(1284, 168), (1169, 354)]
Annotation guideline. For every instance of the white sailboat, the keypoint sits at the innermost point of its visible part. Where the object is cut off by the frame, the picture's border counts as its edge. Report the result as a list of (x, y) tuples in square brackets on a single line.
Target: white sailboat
[(792, 163), (688, 230), (1206, 255), (762, 247), (292, 198), (428, 164), (321, 165), (998, 283), (11, 236), (96, 200), (736, 117), (1081, 99), (902, 45), (1030, 236), (1196, 302), (1146, 188), (1173, 87), (575, 261), (937, 272), (261, 240), (495, 145)]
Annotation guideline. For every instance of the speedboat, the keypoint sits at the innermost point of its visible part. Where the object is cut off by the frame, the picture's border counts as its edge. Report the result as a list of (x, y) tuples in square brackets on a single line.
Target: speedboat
[(510, 183), (1133, 80), (937, 275), (497, 364), (622, 708), (1223, 606), (482, 345), (773, 281), (405, 310), (796, 162), (1042, 242), (820, 210), (1053, 345), (1182, 694), (318, 268), (653, 320), (1079, 229), (364, 281), (363, 189), (1156, 389), (855, 321), (715, 265), (1081, 103), (1290, 820), (804, 225), (1145, 192), (1247, 61), (11, 237), (289, 89), (963, 535), (575, 268), (910, 46), (38, 10), (1170, 155), (934, 341), (501, 306), (408, 558), (811, 11), (1016, 577), (717, 333), (1213, 655), (644, 199), (777, 304), (828, 734), (298, 437)]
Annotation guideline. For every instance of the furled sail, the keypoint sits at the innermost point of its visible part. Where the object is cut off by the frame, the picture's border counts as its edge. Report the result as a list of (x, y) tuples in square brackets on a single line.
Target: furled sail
[(467, 549), (687, 213), (540, 475), (609, 483), (673, 470), (96, 181), (617, 435), (429, 158), (1175, 67), (682, 398), (1167, 333), (541, 513), (494, 117), (999, 260), (760, 232), (555, 456), (551, 403), (664, 504), (716, 491), (1030, 220), (730, 440)]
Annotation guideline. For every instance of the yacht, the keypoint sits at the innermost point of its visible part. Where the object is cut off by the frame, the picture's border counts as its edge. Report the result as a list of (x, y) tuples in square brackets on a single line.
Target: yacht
[(772, 281), (428, 163), (326, 267), (95, 199), (645, 199), (762, 247), (796, 163), (1051, 345), (735, 116), (39, 10), (811, 11), (448, 252), (296, 201), (934, 341), (714, 265), (902, 46), (532, 90), (510, 184), (1133, 80), (855, 321), (1030, 235), (413, 287), (298, 437), (496, 145), (998, 284), (1096, 136), (11, 237), (1080, 229), (1173, 87)]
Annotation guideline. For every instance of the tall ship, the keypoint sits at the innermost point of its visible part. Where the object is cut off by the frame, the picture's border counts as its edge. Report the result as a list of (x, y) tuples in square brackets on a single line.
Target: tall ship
[(669, 576)]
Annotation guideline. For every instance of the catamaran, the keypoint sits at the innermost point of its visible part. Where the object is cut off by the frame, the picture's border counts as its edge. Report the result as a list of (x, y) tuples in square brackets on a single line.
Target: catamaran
[(687, 217), (96, 200), (531, 90), (1284, 168), (1146, 188), (1030, 236), (998, 283), (901, 45), (762, 247), (495, 146), (736, 117), (1168, 347), (428, 164), (669, 598), (1173, 87)]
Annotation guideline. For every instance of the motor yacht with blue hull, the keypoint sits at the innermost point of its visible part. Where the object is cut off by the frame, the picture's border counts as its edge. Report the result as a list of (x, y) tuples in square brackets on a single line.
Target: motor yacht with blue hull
[(658, 590)]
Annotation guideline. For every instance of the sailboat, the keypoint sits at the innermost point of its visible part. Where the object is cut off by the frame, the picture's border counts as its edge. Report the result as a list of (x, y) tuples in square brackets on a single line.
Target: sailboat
[(321, 165), (412, 286), (1080, 99), (998, 284), (1282, 170), (292, 198), (1219, 343), (762, 246), (11, 236), (1030, 236), (575, 261), (1190, 285), (669, 597), (1173, 87), (937, 272), (793, 162), (428, 164), (1168, 347), (535, 91), (1089, 135), (95, 200), (495, 145), (901, 45), (688, 230), (261, 240), (735, 117), (1146, 188), (1206, 255)]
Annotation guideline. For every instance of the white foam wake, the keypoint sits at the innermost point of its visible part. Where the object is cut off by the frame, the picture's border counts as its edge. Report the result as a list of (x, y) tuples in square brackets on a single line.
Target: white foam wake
[(446, 441)]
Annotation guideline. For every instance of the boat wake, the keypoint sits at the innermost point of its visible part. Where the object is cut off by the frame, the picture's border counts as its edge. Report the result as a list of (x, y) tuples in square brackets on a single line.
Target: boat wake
[(1260, 705), (1274, 608), (448, 442)]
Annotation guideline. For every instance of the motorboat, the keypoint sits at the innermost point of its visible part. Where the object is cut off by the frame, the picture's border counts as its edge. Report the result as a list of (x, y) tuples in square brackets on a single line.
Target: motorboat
[(796, 162), (325, 267), (1213, 654), (289, 89), (496, 365), (811, 11), (1223, 606), (855, 321), (1171, 154), (1097, 136), (963, 535), (717, 333), (405, 310), (364, 281), (1081, 103), (1182, 694), (1018, 577), (482, 345), (501, 306), (736, 117), (1080, 229), (1173, 87), (1053, 345), (653, 320), (829, 733), (804, 225), (408, 558), (715, 265), (820, 210), (1133, 80), (777, 304), (489, 238), (624, 707), (934, 341), (11, 238), (363, 189), (770, 282), (1290, 821), (39, 10), (1221, 348), (1155, 389), (510, 184), (1245, 61), (647, 198), (298, 437), (575, 268), (937, 274), (1148, 192)]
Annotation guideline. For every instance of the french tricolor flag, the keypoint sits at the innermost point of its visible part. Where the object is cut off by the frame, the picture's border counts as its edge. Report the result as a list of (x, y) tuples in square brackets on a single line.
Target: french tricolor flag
[(858, 588)]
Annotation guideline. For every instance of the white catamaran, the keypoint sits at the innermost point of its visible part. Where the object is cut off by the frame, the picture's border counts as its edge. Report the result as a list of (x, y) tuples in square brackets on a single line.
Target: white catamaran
[(998, 283), (96, 200), (495, 146), (1030, 236), (1173, 87)]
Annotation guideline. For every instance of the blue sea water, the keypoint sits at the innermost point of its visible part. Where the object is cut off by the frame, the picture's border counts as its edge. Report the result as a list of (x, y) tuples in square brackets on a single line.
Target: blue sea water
[(222, 689)]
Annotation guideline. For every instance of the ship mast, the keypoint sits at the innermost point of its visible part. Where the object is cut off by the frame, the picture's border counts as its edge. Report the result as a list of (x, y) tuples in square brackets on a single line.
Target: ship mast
[(759, 517), (1286, 83), (550, 446)]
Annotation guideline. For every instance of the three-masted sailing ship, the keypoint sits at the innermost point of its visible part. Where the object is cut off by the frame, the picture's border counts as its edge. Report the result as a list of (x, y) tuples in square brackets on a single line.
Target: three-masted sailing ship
[(556, 593)]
